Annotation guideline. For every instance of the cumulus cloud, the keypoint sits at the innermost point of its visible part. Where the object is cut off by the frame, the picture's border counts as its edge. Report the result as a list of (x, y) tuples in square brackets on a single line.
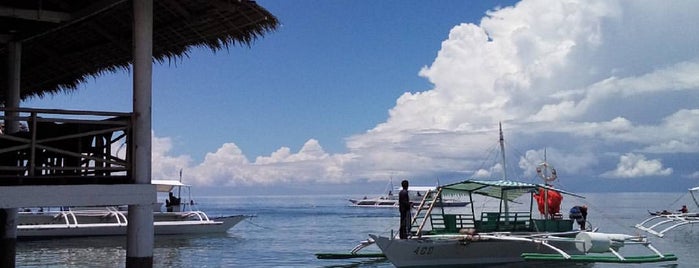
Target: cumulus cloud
[(228, 166), (545, 67), (588, 80), (635, 165), (678, 77), (165, 166), (565, 163)]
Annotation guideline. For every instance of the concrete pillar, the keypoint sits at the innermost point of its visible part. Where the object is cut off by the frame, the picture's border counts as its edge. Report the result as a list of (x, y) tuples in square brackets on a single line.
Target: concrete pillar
[(140, 237), (14, 63), (8, 216)]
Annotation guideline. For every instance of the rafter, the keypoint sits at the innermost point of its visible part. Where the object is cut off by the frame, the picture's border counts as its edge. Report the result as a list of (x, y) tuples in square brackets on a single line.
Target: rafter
[(35, 14)]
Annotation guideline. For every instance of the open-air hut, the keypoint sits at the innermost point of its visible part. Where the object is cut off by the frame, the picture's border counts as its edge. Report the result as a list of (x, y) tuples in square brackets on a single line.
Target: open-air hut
[(54, 157)]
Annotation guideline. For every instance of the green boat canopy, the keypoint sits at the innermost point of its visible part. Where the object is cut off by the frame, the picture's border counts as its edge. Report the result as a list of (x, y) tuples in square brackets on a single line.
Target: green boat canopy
[(497, 189)]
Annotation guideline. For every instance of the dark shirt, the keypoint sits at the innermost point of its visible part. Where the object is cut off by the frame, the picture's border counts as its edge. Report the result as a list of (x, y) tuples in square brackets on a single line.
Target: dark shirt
[(174, 201), (583, 211), (403, 201)]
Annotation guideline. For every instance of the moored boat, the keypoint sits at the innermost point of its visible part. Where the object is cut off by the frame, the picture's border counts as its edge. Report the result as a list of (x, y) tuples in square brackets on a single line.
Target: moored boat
[(664, 221), (509, 234), (179, 218), (390, 200)]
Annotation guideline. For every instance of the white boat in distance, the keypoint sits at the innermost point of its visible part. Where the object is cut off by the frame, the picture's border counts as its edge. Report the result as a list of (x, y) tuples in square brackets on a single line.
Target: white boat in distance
[(112, 221), (416, 193)]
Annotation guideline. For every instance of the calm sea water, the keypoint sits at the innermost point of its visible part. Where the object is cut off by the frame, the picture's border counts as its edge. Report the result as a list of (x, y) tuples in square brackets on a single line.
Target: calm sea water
[(288, 230)]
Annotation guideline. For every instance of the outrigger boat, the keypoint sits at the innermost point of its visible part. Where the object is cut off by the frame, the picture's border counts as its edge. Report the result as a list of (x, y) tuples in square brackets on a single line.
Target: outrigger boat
[(509, 235), (505, 236), (661, 223), (112, 221)]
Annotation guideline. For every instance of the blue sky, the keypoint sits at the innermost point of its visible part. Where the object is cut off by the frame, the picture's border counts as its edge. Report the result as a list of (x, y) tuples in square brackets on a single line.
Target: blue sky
[(347, 94)]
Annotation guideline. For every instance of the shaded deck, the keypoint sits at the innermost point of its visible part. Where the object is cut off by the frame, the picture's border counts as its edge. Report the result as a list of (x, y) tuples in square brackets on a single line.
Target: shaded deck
[(69, 158), (61, 147)]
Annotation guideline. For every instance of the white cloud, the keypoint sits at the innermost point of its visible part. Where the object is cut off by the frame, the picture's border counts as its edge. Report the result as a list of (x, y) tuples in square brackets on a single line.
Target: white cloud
[(541, 62), (635, 165), (229, 166), (677, 133), (678, 77), (564, 163), (164, 166), (496, 171), (585, 79)]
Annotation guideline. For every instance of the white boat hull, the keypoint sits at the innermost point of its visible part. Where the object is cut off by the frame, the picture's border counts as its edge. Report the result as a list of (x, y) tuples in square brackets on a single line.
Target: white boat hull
[(39, 229), (373, 203), (452, 252)]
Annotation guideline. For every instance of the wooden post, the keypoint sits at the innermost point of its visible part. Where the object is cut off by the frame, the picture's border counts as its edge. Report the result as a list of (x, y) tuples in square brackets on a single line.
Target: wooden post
[(8, 216), (140, 237)]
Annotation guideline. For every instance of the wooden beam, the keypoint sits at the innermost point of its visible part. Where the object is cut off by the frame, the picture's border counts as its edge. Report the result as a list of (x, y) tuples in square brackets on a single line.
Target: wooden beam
[(77, 195), (35, 14), (81, 15)]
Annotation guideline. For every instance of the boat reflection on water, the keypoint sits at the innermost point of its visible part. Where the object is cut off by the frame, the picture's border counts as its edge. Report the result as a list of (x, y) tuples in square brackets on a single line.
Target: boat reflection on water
[(102, 251)]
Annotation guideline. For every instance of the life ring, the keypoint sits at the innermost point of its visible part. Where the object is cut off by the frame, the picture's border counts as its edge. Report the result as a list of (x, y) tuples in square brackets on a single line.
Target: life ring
[(545, 166)]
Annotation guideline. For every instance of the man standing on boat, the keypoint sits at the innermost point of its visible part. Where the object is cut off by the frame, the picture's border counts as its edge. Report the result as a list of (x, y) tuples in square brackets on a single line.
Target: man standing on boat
[(404, 208)]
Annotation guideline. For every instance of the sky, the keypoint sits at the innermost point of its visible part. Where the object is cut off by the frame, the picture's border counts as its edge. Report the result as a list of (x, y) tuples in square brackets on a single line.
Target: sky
[(346, 96)]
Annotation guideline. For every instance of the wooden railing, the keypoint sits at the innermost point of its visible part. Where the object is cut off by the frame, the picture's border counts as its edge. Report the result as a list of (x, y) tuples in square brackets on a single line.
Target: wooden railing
[(61, 147), (510, 221), (451, 223)]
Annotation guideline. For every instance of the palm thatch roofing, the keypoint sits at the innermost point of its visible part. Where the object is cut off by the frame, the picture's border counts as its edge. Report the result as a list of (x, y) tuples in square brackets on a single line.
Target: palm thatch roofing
[(65, 42)]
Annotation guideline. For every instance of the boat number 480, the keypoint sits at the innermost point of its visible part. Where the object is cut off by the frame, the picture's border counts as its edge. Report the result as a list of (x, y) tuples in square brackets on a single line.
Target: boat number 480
[(423, 250)]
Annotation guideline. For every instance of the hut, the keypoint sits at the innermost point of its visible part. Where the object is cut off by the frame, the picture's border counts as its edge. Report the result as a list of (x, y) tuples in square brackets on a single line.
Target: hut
[(54, 157)]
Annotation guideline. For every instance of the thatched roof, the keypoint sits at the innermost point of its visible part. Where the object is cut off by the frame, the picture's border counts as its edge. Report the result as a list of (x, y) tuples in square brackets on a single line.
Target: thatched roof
[(64, 42)]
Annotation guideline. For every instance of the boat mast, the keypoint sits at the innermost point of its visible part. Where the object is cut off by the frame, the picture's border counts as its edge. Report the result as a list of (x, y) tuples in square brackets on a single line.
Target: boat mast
[(548, 174), (546, 191), (179, 188), (502, 152), (504, 171)]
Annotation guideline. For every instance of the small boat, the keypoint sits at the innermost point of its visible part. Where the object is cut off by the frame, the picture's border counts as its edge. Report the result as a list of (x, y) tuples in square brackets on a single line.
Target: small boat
[(664, 221), (390, 200), (178, 219), (656, 213)]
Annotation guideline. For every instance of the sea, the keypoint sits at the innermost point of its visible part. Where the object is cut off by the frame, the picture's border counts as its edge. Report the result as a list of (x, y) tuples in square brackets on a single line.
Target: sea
[(287, 231)]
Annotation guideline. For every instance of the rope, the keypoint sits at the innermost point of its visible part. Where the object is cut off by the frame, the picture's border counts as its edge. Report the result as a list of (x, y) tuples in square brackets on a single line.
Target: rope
[(677, 200), (492, 152), (257, 225)]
